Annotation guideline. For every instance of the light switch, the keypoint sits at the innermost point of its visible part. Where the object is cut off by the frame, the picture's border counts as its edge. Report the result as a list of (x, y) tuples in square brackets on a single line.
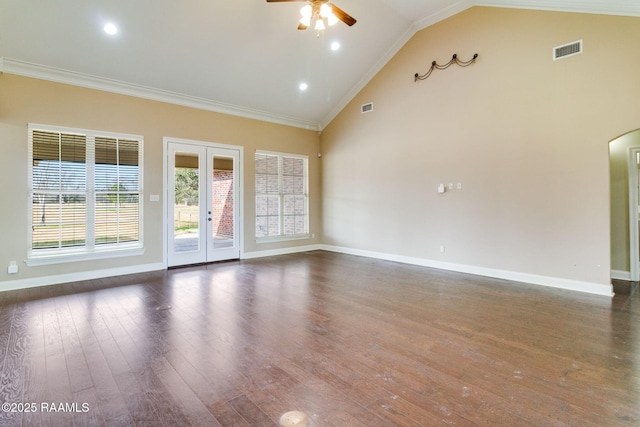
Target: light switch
[(154, 198)]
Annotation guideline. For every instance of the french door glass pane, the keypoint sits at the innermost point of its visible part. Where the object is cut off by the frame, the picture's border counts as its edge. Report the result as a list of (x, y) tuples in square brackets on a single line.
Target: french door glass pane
[(186, 230), (223, 201)]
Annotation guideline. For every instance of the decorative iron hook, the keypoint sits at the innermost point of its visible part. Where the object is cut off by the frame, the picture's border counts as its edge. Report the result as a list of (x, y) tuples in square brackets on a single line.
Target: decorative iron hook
[(435, 66)]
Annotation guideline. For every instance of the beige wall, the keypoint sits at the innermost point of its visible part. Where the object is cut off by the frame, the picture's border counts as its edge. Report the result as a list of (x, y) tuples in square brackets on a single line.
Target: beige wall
[(526, 136), (619, 173), (24, 100)]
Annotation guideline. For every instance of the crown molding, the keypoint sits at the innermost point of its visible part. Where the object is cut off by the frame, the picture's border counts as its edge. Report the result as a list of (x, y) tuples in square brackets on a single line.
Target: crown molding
[(460, 6), (42, 72), (599, 7), (27, 69), (390, 53), (443, 14)]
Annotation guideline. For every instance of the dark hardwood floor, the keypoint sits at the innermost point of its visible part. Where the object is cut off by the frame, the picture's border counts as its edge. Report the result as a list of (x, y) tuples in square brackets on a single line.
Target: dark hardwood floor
[(350, 341)]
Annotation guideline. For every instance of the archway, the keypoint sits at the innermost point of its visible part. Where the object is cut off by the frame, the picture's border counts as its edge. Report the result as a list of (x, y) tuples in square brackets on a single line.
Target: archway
[(624, 161)]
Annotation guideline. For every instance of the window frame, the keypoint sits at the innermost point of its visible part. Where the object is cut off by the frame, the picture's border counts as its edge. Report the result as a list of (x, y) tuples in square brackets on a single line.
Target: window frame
[(89, 250), (281, 215)]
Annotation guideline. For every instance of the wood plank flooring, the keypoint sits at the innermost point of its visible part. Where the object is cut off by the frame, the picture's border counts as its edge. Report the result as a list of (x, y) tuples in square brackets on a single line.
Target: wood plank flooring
[(350, 341)]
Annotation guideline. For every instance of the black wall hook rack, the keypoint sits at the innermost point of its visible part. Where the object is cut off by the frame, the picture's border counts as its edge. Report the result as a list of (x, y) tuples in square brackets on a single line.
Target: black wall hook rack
[(435, 66)]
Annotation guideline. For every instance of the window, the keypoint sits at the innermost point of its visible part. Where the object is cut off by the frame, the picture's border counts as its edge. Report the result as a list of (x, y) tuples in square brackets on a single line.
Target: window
[(86, 189), (282, 201)]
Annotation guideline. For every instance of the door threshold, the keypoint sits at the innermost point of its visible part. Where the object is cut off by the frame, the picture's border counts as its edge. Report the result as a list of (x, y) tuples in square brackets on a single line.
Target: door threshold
[(200, 264)]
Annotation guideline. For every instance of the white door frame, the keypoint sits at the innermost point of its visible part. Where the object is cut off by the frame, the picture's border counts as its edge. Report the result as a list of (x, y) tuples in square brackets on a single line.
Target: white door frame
[(634, 239), (165, 190)]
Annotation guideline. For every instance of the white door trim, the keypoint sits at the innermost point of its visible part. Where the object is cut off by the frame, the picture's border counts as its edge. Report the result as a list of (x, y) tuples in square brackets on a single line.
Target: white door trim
[(165, 190), (634, 239)]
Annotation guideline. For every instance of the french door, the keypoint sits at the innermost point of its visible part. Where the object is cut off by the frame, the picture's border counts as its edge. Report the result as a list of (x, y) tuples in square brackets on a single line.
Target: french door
[(203, 203)]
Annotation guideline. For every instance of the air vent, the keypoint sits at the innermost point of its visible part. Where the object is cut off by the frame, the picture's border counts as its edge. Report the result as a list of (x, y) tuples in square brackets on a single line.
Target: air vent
[(366, 108), (566, 50)]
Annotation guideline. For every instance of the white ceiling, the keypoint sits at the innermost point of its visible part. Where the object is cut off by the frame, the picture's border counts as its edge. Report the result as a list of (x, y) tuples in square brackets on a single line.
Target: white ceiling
[(243, 57)]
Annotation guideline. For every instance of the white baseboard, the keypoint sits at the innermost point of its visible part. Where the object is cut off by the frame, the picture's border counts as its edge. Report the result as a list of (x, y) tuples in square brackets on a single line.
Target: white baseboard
[(12, 285), (282, 251), (554, 282), (573, 285), (621, 275)]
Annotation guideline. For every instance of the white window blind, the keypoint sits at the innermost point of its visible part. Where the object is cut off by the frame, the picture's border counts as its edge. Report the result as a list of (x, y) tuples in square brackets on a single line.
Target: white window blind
[(117, 185), (59, 192), (282, 203), (86, 191)]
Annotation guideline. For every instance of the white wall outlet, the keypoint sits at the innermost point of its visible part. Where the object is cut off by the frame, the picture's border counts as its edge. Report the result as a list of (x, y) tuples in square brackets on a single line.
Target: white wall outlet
[(459, 186), (441, 188), (442, 249), (451, 186), (13, 267)]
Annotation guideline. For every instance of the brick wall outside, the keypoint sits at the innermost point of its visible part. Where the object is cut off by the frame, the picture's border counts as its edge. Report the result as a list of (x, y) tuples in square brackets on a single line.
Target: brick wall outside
[(223, 203)]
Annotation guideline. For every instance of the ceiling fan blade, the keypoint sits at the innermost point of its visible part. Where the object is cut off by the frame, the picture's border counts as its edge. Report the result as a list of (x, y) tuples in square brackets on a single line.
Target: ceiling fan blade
[(342, 15), (302, 26)]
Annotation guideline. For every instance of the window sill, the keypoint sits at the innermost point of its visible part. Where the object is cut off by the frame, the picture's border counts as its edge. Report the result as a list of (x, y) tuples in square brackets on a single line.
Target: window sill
[(282, 238), (61, 258)]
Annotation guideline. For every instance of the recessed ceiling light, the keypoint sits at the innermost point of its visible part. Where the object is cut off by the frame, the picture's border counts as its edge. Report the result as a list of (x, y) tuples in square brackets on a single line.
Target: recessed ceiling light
[(110, 29), (303, 86), (335, 46)]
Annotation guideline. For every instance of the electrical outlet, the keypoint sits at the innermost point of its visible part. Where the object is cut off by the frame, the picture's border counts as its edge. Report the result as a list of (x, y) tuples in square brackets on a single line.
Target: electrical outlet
[(13, 267), (442, 249)]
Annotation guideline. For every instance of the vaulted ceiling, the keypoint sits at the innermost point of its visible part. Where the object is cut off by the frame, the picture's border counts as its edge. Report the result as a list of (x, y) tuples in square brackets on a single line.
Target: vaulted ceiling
[(242, 57)]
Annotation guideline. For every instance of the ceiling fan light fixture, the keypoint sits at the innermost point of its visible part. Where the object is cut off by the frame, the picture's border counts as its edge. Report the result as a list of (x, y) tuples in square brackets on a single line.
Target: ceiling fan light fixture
[(321, 13), (325, 10), (306, 11), (306, 21), (307, 14)]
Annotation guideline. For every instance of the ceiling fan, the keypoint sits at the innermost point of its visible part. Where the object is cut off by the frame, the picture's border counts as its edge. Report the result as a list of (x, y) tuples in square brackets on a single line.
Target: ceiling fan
[(322, 11)]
